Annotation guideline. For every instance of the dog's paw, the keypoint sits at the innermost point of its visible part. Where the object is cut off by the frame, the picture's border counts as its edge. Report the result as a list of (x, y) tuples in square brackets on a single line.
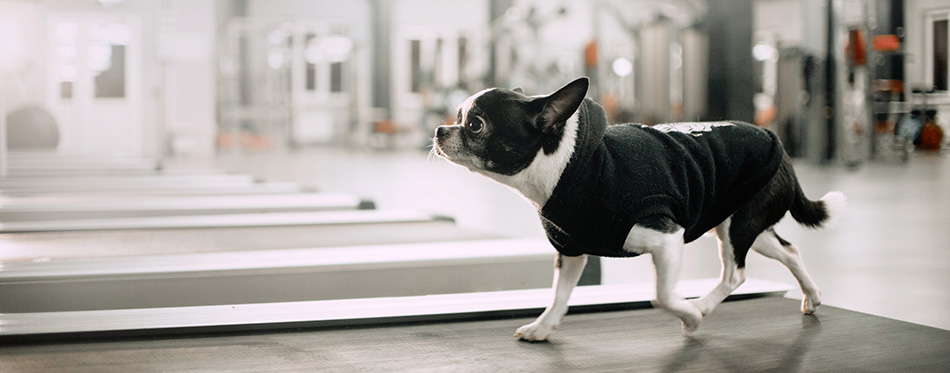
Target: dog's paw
[(810, 303), (701, 305), (691, 321), (687, 311), (535, 332)]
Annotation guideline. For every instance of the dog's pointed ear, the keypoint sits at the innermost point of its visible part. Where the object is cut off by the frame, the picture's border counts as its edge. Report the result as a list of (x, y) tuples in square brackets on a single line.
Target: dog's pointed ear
[(561, 104), (518, 90)]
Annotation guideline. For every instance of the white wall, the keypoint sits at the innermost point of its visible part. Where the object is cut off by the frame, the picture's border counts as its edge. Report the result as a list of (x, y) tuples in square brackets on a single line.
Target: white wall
[(31, 84), (177, 71), (21, 34), (186, 48), (779, 20)]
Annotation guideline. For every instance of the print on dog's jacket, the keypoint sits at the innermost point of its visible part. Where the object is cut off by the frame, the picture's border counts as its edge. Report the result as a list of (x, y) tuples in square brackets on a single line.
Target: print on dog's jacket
[(696, 174)]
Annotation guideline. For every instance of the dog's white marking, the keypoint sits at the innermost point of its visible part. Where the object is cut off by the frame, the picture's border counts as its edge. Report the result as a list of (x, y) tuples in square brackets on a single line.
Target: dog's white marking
[(565, 279), (667, 252), (466, 105), (537, 181), (835, 203), (642, 240)]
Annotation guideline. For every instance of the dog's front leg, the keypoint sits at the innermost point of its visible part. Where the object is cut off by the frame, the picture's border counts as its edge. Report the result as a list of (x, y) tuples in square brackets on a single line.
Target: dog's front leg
[(567, 271), (667, 258), (666, 246)]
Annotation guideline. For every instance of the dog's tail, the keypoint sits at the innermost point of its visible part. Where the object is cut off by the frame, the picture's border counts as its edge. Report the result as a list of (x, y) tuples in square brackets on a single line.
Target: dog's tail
[(818, 214)]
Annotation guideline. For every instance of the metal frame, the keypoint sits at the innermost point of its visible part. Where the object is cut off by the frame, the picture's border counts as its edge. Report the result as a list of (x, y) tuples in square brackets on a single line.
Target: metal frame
[(182, 190), (345, 312), (220, 221), (56, 161), (26, 173), (204, 279), (18, 210), (72, 183), (206, 263)]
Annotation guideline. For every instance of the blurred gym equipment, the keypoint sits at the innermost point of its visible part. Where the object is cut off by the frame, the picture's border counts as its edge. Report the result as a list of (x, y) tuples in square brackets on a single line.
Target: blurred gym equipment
[(31, 128)]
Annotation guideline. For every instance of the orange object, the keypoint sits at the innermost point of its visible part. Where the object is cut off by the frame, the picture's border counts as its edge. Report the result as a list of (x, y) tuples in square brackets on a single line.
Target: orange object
[(590, 54), (384, 126), (931, 135), (855, 50), (886, 43), (765, 117), (884, 126), (893, 86)]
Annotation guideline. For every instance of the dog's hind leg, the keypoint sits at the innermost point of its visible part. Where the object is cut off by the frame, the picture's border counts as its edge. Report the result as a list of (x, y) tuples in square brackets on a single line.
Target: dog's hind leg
[(772, 246), (731, 276), (567, 271)]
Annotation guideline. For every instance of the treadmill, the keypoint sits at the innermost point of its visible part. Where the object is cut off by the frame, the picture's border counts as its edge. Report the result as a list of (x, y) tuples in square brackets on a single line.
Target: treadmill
[(106, 207), (173, 265)]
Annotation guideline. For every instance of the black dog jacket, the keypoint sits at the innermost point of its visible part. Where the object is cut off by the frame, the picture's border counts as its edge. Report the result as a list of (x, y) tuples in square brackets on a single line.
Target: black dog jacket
[(696, 174)]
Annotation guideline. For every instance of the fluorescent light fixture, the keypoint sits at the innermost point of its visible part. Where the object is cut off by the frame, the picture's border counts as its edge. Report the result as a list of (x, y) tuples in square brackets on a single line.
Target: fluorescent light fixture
[(110, 3), (763, 52), (622, 66)]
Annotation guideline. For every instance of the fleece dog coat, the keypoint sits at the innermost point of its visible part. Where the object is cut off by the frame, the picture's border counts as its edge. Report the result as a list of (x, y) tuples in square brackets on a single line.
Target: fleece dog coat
[(696, 174)]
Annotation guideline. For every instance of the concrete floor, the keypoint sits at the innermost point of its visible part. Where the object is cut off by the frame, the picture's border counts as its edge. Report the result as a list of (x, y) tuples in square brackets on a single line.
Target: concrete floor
[(889, 256)]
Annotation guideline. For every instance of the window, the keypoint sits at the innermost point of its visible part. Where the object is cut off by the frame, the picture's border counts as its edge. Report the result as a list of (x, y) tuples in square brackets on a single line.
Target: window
[(463, 56), (415, 65), (66, 34), (310, 66), (336, 77), (107, 42), (435, 60), (940, 54), (936, 49)]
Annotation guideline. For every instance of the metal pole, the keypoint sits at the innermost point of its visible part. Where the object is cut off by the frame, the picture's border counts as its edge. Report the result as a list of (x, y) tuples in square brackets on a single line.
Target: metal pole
[(830, 85), (381, 13), (3, 130)]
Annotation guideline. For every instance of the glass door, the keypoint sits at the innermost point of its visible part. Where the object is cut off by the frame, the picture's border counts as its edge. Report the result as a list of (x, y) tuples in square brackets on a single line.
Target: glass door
[(96, 83)]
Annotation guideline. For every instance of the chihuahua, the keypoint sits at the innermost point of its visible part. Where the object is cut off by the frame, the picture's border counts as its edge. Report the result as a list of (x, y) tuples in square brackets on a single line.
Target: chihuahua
[(630, 189)]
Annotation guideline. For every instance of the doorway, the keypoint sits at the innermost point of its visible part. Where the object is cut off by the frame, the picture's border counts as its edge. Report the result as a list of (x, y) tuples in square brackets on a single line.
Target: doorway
[(95, 83)]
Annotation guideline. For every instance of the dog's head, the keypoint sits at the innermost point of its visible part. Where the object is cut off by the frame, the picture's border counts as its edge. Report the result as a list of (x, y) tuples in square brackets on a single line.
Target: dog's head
[(501, 131)]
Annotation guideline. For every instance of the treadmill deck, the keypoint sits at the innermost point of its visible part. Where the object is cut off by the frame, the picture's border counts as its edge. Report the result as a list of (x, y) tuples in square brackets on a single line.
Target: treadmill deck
[(760, 334)]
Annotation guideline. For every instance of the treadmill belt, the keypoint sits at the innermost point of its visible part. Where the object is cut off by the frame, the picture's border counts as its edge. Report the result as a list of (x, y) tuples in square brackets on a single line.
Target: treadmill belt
[(18, 247), (759, 334)]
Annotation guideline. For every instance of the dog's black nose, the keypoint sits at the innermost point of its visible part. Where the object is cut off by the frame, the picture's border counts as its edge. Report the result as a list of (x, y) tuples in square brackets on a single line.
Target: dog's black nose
[(441, 131)]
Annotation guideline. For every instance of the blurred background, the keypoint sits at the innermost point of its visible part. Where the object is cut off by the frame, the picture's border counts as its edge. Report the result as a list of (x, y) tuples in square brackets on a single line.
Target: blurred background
[(171, 79), (343, 97)]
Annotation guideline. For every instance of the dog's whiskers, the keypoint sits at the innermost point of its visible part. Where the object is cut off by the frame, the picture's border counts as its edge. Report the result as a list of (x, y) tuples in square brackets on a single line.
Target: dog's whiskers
[(432, 155)]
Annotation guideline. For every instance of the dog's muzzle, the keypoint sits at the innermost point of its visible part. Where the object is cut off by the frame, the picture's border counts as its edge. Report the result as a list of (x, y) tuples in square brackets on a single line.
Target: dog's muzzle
[(447, 142), (441, 131)]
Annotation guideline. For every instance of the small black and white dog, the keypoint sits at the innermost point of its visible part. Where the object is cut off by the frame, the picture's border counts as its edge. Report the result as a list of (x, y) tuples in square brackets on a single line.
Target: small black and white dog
[(627, 190)]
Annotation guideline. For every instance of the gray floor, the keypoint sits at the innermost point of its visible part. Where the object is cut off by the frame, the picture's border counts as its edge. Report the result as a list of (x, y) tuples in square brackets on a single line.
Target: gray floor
[(889, 256)]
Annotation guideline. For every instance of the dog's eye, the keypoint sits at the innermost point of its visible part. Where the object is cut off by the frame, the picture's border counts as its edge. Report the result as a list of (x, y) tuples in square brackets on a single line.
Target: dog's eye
[(476, 125)]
